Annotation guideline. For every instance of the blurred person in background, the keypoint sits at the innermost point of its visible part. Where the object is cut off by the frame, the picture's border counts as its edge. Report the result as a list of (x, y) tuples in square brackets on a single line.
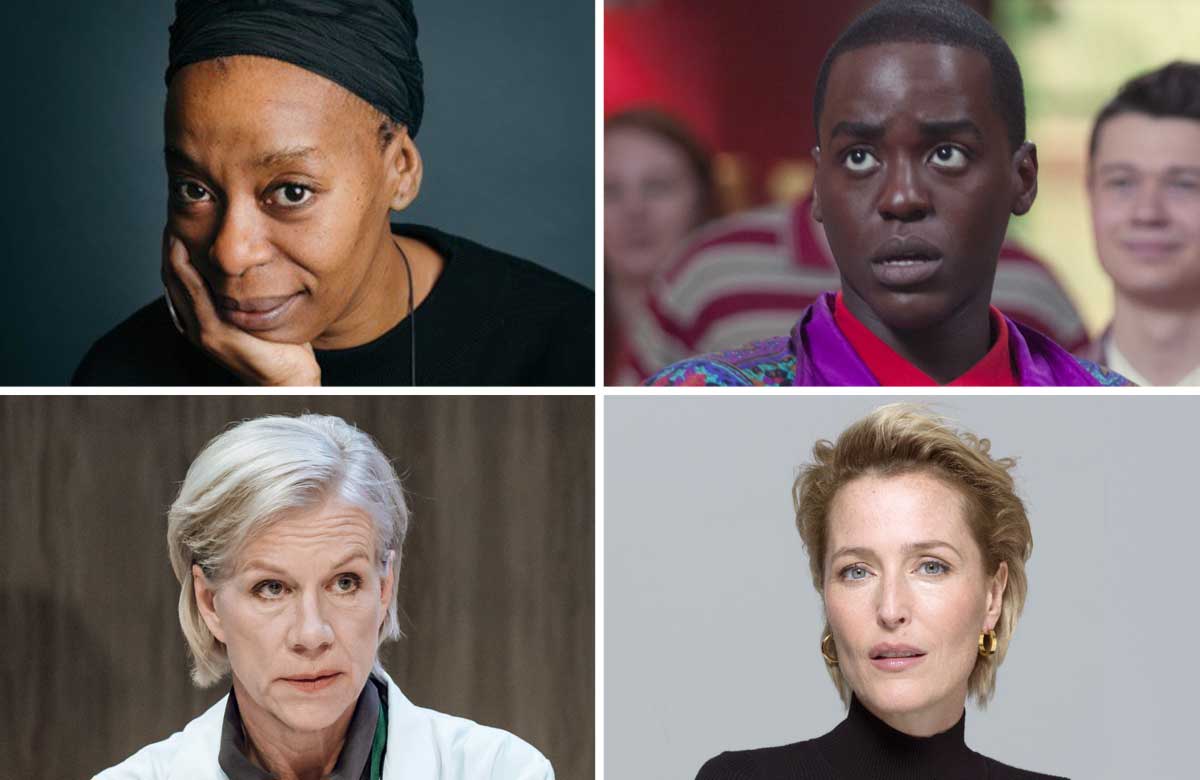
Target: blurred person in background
[(1144, 189), (658, 187)]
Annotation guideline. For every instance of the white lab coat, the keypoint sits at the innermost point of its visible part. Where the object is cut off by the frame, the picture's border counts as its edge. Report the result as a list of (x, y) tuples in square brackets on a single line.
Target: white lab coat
[(421, 745)]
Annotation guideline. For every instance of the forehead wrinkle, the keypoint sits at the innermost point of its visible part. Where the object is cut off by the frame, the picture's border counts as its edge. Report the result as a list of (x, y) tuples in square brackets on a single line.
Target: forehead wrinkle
[(313, 528)]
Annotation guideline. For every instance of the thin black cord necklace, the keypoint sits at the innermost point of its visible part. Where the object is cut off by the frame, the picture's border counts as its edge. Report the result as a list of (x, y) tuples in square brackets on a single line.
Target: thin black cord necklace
[(412, 322)]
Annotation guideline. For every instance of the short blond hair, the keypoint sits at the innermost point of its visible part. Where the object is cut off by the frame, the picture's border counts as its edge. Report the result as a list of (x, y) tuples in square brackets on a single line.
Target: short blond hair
[(902, 439), (252, 475)]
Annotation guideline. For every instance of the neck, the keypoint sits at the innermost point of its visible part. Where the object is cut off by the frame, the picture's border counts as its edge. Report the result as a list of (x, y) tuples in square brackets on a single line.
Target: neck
[(284, 752), (944, 351), (1163, 344), (935, 719), (380, 298)]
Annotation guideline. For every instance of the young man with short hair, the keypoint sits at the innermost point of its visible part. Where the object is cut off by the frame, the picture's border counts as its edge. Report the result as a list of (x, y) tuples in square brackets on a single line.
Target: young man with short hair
[(1144, 188), (922, 159)]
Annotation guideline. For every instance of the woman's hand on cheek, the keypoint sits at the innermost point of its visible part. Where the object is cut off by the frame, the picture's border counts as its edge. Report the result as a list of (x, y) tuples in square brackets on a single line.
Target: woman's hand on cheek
[(256, 361)]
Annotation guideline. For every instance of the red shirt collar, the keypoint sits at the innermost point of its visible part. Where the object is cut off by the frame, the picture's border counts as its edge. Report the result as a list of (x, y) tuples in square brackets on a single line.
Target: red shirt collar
[(994, 369)]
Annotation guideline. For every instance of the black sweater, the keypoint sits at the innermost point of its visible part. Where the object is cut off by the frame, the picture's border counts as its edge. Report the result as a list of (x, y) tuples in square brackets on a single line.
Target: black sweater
[(491, 319), (862, 746)]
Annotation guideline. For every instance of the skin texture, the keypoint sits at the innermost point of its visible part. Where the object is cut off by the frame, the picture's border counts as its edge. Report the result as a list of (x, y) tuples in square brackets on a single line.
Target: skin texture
[(886, 173), (651, 202), (880, 588), (247, 222), (1144, 187), (305, 595)]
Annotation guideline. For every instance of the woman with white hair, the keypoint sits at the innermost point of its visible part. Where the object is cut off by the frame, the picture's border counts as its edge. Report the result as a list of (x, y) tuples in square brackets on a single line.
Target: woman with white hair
[(286, 539)]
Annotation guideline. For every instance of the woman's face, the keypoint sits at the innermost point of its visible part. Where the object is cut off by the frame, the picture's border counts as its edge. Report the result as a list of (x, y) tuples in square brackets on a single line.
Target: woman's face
[(651, 201), (279, 190), (299, 616), (907, 596)]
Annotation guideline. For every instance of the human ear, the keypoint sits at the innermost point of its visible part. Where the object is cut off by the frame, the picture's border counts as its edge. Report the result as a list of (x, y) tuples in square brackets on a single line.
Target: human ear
[(1025, 171), (995, 596), (389, 576), (404, 170), (206, 601), (816, 202)]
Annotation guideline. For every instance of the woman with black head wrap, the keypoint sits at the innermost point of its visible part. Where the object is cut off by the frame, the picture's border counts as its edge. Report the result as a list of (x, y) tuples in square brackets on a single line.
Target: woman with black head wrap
[(290, 129)]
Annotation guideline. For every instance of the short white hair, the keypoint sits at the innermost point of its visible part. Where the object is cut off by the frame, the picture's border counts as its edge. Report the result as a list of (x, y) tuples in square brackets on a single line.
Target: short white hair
[(256, 472)]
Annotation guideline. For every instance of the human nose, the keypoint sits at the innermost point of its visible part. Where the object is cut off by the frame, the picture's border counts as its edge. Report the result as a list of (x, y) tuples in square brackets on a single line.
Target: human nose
[(310, 630), (1148, 207), (239, 244), (904, 196), (894, 608)]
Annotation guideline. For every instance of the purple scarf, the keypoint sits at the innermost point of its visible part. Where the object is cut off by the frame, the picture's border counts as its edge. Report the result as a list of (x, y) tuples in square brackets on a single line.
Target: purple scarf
[(824, 357)]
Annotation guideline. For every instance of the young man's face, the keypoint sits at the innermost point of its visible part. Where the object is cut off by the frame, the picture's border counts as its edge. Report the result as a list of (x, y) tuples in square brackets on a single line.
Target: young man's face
[(916, 181), (1144, 185)]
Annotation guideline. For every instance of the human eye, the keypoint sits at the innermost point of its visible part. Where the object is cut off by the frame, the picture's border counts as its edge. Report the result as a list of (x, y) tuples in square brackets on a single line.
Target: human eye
[(269, 589), (187, 192), (291, 195), (346, 584), (1119, 182), (859, 160), (1186, 184), (932, 568), (948, 157), (853, 572)]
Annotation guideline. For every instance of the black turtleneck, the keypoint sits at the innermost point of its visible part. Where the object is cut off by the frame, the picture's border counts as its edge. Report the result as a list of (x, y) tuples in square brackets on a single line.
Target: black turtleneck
[(863, 746)]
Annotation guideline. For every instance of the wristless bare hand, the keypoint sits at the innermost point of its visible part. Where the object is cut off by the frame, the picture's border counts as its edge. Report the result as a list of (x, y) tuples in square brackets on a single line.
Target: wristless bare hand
[(256, 361)]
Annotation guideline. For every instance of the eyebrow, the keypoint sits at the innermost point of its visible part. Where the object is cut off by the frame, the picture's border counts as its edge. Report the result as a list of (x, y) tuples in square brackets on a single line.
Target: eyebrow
[(936, 128), (1174, 170), (261, 565), (911, 547)]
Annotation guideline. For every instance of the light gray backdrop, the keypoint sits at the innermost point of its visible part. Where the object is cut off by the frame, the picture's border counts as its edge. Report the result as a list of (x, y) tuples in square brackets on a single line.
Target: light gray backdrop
[(507, 141), (712, 624)]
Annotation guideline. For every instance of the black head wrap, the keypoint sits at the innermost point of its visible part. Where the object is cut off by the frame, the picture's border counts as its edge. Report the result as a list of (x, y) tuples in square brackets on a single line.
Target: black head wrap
[(367, 46)]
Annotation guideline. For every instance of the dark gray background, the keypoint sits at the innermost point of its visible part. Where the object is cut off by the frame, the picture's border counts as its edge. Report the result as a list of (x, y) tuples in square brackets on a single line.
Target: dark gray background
[(507, 139), (712, 624), (496, 585)]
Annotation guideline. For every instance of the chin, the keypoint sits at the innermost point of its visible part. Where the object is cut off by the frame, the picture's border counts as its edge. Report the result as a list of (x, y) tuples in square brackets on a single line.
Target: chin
[(910, 310), (313, 714), (896, 696)]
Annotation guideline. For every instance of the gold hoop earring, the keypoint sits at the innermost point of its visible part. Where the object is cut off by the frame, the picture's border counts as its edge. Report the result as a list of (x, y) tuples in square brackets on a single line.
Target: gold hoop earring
[(830, 658), (988, 643)]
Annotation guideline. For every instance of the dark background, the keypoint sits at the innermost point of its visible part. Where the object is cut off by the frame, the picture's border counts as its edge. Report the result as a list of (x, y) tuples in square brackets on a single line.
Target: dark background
[(507, 140), (496, 586)]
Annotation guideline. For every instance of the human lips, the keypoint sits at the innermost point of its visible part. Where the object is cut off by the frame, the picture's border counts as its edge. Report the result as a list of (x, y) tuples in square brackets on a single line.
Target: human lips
[(316, 681), (905, 261), (895, 658), (256, 314), (1150, 248)]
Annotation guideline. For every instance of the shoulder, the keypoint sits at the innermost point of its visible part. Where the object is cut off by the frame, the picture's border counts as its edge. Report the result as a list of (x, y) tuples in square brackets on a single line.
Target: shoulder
[(194, 748), (1103, 374), (1001, 771), (145, 349), (488, 270), (748, 250), (123, 348), (435, 744), (797, 760), (761, 363)]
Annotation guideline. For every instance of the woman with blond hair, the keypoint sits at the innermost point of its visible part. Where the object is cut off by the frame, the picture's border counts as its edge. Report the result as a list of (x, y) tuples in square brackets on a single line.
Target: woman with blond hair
[(917, 544)]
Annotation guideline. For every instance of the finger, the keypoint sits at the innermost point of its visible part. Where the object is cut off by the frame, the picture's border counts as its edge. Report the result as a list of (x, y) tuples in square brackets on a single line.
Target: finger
[(197, 290), (177, 296)]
